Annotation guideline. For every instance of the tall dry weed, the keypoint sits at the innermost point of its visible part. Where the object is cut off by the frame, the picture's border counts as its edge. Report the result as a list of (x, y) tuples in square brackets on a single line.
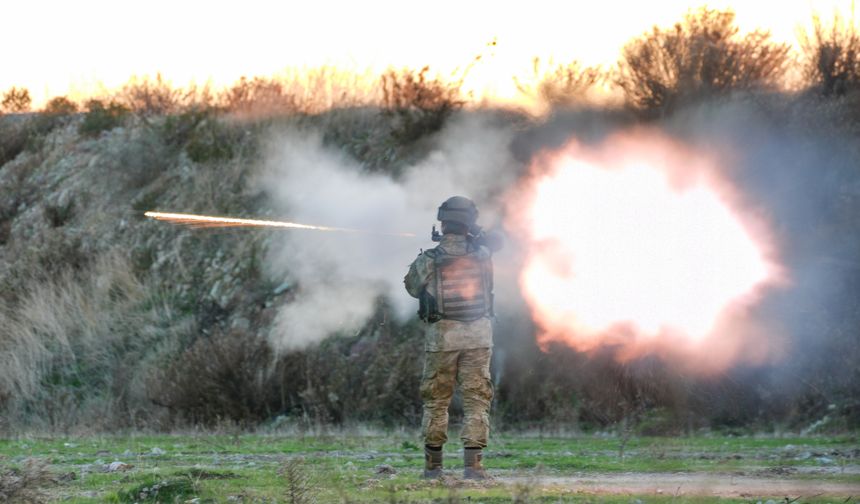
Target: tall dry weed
[(77, 348), (559, 85), (417, 103)]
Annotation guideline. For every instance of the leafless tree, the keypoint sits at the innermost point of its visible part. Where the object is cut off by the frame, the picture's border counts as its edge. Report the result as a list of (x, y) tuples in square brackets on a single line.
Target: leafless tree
[(700, 57), (831, 56)]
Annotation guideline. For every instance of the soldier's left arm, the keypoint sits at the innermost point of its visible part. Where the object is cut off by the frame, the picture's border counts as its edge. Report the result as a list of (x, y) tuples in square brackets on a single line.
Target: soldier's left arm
[(418, 276)]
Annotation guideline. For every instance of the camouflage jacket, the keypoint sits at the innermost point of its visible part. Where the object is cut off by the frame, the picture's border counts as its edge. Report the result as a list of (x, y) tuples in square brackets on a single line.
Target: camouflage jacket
[(446, 335)]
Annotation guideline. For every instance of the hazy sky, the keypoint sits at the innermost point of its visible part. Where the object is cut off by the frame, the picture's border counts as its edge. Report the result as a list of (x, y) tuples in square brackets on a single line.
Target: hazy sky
[(60, 47)]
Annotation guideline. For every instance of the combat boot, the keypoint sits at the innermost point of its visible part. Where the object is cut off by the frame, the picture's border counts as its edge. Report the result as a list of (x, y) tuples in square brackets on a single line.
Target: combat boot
[(472, 468), (432, 462)]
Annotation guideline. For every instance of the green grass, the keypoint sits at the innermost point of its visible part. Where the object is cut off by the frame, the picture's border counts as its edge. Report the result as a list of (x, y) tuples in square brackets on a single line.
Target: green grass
[(341, 467)]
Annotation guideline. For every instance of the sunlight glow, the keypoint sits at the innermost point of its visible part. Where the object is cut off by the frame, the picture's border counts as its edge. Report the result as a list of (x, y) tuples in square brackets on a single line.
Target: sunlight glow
[(87, 47)]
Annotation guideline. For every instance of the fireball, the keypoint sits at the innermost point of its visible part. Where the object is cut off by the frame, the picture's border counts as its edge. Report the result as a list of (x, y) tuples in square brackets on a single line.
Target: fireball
[(641, 245)]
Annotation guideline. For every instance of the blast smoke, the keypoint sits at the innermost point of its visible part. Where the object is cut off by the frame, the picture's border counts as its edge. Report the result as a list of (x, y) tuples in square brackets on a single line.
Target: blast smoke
[(799, 178), (796, 165), (340, 277), (790, 165)]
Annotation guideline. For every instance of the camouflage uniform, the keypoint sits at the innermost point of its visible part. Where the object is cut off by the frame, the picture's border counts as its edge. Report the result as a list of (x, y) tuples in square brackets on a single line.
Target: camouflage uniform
[(457, 352)]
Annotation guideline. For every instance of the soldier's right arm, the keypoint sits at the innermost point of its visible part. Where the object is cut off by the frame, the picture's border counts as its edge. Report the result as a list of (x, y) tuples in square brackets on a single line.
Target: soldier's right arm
[(419, 274)]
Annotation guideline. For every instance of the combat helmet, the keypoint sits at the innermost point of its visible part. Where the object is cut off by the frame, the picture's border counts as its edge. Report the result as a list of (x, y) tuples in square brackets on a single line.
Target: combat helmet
[(458, 209)]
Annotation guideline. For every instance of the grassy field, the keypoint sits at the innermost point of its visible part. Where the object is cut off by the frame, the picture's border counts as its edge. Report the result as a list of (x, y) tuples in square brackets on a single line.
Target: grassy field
[(370, 468)]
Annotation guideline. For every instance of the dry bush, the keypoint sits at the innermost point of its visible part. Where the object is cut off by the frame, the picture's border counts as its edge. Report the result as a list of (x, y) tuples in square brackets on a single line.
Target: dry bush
[(832, 56), (234, 376), (26, 485), (175, 119), (148, 97), (417, 104), (298, 91), (60, 106), (256, 98), (559, 85), (73, 350), (16, 100), (701, 57), (227, 376), (371, 377), (562, 388)]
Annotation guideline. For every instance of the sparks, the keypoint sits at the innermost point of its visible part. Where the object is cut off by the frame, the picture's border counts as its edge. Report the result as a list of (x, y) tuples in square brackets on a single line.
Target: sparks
[(209, 221)]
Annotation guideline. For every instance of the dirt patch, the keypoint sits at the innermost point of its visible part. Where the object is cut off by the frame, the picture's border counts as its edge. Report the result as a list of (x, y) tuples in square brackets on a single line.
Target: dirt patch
[(687, 484)]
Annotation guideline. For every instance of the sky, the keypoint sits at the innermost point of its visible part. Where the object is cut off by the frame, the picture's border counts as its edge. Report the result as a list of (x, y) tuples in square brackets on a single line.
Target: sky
[(79, 48)]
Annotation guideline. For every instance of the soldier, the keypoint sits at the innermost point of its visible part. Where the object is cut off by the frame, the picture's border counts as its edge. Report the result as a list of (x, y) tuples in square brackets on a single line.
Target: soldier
[(454, 285)]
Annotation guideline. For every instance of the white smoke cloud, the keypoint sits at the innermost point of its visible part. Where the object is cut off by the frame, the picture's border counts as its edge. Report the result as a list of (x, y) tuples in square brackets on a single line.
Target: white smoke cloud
[(340, 275), (792, 177)]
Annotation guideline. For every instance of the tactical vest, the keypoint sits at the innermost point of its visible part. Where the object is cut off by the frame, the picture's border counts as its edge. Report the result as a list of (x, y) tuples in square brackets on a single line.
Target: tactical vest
[(464, 289)]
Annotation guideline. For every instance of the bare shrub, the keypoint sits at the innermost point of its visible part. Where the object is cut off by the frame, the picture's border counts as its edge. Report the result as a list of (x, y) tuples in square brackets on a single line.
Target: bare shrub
[(16, 100), (700, 57), (831, 56), (178, 119), (26, 485), (417, 104), (559, 85), (566, 388), (60, 106), (227, 376), (148, 97), (370, 377), (258, 97), (233, 376)]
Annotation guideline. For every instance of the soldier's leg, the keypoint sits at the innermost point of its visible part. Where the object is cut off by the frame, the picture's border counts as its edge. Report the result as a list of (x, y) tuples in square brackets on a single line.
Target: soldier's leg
[(437, 388), (477, 389)]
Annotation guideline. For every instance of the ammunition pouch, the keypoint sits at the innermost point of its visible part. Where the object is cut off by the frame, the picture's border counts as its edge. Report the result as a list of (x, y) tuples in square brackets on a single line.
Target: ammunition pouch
[(428, 310)]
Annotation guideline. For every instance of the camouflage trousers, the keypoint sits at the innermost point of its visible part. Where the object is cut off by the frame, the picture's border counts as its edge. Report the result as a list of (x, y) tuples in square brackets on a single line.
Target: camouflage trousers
[(442, 371)]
